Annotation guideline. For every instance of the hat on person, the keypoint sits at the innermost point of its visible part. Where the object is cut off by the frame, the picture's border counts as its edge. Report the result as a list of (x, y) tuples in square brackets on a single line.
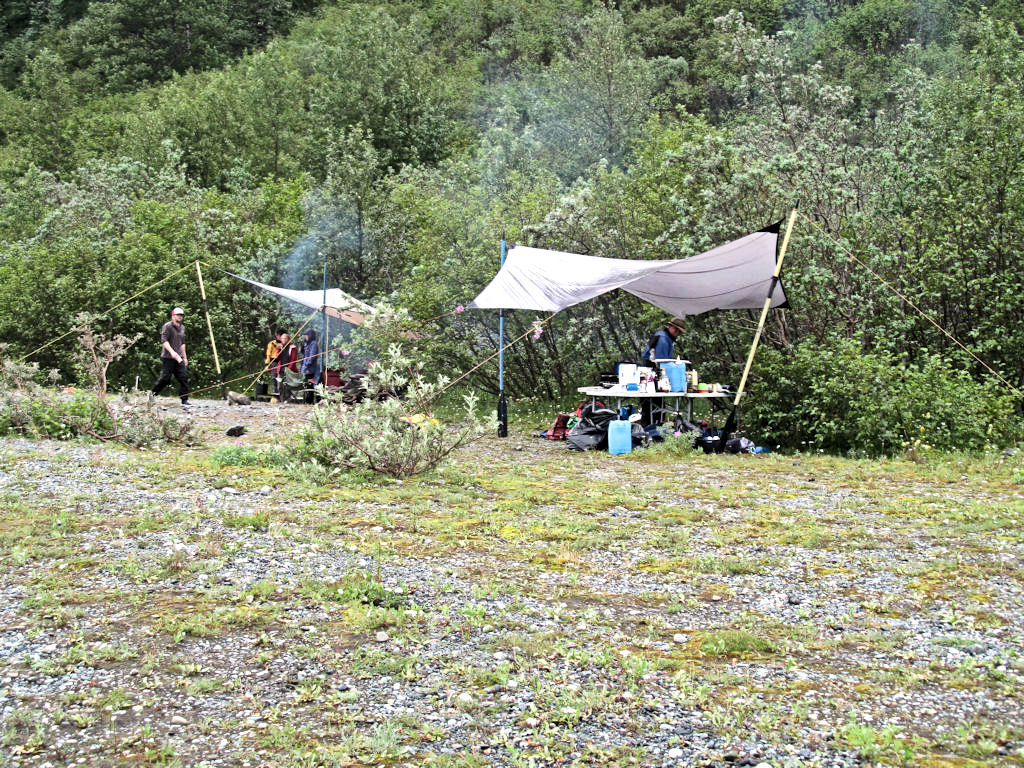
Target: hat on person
[(679, 323), (177, 311)]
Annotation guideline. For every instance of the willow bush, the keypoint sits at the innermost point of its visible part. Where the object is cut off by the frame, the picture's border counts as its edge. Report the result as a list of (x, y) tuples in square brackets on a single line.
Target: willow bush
[(393, 430), (841, 400)]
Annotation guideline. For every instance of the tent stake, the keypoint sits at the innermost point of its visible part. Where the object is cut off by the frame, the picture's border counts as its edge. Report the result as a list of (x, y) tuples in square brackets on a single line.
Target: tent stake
[(209, 327), (767, 305), (502, 403)]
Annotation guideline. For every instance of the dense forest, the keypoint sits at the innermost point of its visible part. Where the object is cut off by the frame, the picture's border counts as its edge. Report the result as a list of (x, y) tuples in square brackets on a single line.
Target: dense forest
[(401, 141)]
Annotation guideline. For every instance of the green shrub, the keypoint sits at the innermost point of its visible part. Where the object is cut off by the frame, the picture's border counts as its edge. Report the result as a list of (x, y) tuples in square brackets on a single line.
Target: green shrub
[(249, 456), (53, 414), (841, 400), (28, 408), (735, 642), (31, 409), (392, 431), (356, 587)]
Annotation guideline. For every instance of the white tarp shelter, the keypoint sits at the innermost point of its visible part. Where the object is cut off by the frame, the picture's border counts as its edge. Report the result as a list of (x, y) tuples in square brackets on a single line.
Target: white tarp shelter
[(736, 275), (339, 304)]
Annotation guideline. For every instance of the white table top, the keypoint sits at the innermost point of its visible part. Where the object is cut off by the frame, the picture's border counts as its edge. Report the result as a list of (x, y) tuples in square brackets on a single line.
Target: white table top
[(618, 391)]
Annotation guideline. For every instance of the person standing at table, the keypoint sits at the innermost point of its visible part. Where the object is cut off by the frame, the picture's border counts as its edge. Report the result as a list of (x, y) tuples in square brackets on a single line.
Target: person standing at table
[(173, 359), (661, 344)]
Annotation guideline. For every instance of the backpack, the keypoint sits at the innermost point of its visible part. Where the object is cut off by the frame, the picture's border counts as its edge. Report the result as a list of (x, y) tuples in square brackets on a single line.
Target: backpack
[(560, 429)]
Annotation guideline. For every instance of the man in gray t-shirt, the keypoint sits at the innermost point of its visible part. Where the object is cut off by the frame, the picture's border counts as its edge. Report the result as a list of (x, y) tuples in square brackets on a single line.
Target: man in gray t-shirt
[(173, 359)]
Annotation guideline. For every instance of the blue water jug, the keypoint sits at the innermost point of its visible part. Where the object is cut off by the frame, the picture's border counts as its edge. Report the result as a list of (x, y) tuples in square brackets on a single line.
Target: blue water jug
[(620, 437), (676, 373)]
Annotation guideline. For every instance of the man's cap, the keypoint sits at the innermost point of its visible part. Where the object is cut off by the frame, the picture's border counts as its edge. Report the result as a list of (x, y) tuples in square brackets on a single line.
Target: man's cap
[(177, 311), (678, 322)]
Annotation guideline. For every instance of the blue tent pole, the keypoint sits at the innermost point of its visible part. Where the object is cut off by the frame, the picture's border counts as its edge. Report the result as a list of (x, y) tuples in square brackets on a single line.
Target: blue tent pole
[(323, 336), (502, 404)]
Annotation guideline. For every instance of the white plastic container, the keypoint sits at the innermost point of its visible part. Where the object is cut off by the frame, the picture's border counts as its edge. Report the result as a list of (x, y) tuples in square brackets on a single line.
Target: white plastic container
[(627, 373)]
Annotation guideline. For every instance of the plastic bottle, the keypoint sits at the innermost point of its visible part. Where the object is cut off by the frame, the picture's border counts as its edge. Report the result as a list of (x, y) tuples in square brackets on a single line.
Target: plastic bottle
[(620, 437)]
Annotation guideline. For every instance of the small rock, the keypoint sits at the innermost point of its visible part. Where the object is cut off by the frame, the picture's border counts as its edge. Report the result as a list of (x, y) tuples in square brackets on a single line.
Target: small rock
[(236, 431), (178, 720), (679, 637), (381, 637), (675, 753)]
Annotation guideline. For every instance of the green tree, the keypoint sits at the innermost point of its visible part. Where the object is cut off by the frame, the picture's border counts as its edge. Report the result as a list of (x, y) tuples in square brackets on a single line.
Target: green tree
[(968, 211), (596, 97), (125, 44), (46, 132), (275, 96), (371, 68)]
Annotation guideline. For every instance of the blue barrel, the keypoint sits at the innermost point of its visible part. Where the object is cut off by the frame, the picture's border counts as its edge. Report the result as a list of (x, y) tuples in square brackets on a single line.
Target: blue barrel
[(620, 437), (676, 373)]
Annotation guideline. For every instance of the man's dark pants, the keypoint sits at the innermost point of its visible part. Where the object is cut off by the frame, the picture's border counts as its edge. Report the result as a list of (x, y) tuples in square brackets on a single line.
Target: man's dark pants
[(172, 367)]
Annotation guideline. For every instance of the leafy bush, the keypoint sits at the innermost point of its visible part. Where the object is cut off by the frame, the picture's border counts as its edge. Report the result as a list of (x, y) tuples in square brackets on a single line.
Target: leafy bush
[(392, 430), (250, 456), (54, 414), (139, 424), (29, 408), (842, 400)]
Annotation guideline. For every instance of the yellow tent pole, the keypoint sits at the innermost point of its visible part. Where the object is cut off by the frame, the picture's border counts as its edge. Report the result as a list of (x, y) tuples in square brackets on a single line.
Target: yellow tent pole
[(767, 306), (209, 328)]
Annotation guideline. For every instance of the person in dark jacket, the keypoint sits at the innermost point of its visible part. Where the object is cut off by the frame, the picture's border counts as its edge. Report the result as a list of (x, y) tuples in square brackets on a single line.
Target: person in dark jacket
[(173, 358), (311, 366), (661, 345)]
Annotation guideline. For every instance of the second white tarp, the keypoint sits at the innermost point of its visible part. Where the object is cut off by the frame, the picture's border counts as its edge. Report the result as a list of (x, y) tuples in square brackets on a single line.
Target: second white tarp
[(339, 304)]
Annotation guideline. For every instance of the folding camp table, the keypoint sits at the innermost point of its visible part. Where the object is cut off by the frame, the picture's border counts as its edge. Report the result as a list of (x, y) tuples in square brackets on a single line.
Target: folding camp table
[(620, 393)]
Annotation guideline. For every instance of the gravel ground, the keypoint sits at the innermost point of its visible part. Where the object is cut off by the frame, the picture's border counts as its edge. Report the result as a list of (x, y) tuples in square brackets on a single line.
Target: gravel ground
[(524, 606)]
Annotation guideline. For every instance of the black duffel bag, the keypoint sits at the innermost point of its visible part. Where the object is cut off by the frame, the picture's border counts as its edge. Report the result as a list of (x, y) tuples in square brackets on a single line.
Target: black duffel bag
[(591, 431)]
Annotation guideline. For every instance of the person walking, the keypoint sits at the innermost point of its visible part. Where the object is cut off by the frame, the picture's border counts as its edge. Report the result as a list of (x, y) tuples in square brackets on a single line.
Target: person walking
[(173, 358)]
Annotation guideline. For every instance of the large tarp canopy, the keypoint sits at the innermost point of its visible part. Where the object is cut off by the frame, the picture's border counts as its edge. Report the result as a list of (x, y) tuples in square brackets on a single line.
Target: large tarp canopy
[(736, 275), (339, 304)]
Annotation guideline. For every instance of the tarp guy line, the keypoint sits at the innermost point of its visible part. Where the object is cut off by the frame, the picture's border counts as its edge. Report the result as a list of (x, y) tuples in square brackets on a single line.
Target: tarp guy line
[(917, 309)]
